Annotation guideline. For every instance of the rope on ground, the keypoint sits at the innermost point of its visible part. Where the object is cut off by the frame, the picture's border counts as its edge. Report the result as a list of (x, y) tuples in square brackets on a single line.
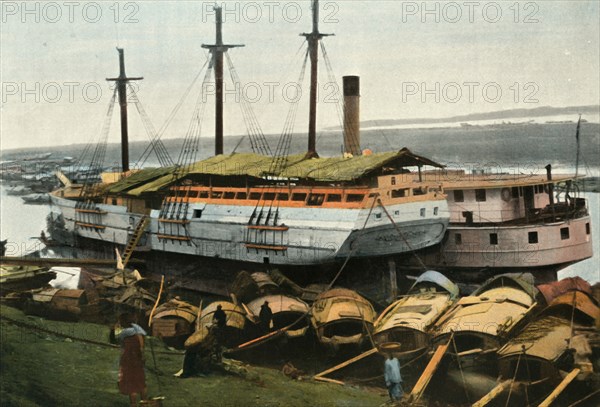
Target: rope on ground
[(36, 328)]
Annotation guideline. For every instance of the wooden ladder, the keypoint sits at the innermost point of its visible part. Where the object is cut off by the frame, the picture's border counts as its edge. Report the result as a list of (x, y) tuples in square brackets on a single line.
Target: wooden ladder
[(134, 239)]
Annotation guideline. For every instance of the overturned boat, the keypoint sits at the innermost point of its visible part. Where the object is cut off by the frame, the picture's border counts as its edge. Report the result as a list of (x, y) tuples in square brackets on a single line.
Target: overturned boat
[(409, 320), (342, 317), (19, 278), (234, 325), (174, 321), (288, 312), (485, 320)]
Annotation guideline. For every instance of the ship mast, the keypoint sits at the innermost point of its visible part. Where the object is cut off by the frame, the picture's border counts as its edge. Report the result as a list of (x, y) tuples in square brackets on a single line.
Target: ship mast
[(122, 89), (217, 50), (313, 39)]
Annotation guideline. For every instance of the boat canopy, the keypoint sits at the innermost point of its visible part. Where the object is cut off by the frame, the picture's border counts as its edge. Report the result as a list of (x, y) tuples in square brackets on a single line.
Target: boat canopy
[(555, 289), (331, 169), (524, 281), (439, 279)]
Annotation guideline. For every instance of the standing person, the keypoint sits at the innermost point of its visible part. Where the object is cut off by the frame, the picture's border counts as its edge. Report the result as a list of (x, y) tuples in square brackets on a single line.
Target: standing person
[(265, 316), (393, 379), (219, 317), (132, 380)]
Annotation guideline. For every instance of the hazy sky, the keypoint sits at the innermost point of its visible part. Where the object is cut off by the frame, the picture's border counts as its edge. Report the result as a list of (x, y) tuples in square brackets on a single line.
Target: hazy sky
[(55, 57)]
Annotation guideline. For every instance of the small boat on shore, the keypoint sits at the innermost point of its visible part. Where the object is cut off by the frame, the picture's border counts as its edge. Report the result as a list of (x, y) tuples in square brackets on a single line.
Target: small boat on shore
[(37, 199), (342, 317), (19, 278), (408, 320), (234, 325), (62, 304), (174, 321), (287, 310)]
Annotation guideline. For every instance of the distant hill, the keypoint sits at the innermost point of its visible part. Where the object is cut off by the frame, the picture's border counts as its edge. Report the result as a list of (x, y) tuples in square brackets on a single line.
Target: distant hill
[(502, 114)]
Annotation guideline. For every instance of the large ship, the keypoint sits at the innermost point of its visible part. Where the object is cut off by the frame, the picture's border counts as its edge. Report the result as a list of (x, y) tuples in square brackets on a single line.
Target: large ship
[(280, 209)]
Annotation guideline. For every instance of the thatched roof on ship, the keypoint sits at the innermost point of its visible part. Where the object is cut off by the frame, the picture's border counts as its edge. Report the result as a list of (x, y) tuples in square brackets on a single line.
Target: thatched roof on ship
[(330, 169)]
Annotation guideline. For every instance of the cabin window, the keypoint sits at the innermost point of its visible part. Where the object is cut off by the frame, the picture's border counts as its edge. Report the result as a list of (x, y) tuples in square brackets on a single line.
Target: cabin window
[(422, 212), (203, 194), (459, 195), (193, 194), (269, 196), (197, 213), (334, 198), (229, 195), (241, 195), (378, 216), (315, 199), (515, 192), (457, 238), (533, 237), (435, 211), (397, 213), (493, 238), (299, 197), (216, 194), (399, 193), (419, 191), (283, 197), (587, 228), (393, 180), (255, 196), (355, 197), (564, 233), (480, 195)]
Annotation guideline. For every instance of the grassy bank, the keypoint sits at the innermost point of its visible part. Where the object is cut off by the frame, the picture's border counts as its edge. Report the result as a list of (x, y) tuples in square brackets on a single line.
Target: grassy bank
[(42, 369)]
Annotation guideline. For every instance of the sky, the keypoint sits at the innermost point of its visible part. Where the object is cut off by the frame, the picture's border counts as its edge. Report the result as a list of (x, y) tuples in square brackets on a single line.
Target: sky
[(415, 59)]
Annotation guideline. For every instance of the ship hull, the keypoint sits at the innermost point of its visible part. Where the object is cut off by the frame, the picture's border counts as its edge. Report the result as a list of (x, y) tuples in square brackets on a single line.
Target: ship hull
[(304, 236)]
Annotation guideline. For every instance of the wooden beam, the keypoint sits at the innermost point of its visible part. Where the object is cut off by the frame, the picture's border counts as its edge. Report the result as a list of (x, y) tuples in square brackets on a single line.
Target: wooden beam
[(325, 379), (432, 366), (346, 363), (559, 389), (495, 392)]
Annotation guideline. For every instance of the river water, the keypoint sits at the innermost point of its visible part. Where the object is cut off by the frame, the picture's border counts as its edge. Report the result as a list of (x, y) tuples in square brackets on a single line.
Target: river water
[(22, 224)]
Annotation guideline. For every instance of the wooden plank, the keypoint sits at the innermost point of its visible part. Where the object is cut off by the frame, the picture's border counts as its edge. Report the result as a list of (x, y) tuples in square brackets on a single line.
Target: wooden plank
[(559, 389), (266, 247), (495, 392), (432, 366), (346, 363), (59, 262), (325, 379)]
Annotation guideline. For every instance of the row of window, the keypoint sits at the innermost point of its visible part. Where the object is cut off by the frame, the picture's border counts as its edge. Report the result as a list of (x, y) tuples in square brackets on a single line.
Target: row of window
[(309, 199), (532, 236), (481, 195)]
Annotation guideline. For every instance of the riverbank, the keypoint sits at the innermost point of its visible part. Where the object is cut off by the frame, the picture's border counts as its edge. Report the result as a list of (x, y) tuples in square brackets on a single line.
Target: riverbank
[(42, 369)]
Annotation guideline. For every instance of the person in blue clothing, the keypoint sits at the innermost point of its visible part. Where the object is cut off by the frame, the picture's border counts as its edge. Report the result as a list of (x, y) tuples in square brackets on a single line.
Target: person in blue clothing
[(393, 378)]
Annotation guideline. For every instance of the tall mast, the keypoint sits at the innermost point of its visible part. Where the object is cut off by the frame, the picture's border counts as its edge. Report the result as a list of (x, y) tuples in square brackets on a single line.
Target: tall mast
[(313, 39), (122, 90), (217, 50)]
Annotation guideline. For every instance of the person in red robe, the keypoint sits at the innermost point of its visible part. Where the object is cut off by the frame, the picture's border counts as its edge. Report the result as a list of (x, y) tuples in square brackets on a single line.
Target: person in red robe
[(132, 379)]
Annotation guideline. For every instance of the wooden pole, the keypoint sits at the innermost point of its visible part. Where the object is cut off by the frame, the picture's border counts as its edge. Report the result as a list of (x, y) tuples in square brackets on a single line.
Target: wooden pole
[(560, 388), (346, 363), (495, 392)]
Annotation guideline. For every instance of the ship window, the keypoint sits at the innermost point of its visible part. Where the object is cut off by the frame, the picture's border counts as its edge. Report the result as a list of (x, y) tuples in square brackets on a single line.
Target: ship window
[(255, 196), (480, 195), (587, 228), (355, 197), (393, 180), (458, 238), (269, 196), (229, 195), (283, 197), (459, 195), (423, 212), (299, 197), (241, 195), (334, 198), (399, 193), (203, 194), (378, 215), (397, 213), (564, 233), (419, 191), (533, 237), (193, 194), (197, 213), (216, 194), (515, 192), (315, 199), (435, 211), (493, 238)]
